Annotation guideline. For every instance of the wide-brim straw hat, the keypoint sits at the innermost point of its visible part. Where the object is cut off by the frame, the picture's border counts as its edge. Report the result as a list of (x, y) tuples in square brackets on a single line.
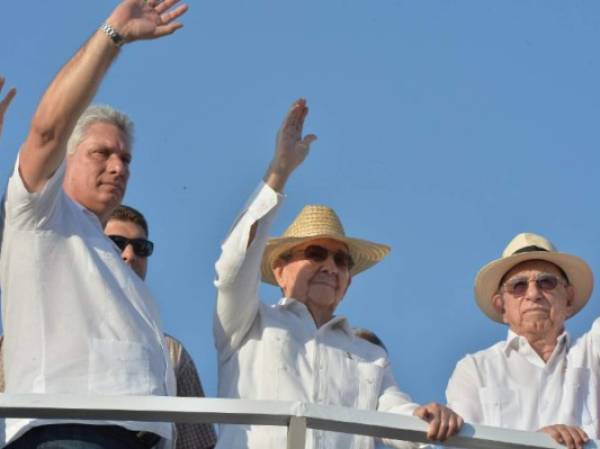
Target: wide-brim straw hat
[(316, 222), (528, 246)]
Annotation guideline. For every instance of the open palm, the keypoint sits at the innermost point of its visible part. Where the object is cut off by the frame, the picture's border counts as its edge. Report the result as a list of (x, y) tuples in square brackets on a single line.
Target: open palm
[(136, 19)]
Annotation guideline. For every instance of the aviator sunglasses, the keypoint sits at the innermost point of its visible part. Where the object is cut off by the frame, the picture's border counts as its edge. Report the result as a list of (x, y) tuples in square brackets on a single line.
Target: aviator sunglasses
[(317, 253), (544, 281), (141, 247)]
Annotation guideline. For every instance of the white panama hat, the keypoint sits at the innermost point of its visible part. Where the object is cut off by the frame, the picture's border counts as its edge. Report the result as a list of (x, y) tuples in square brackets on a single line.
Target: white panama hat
[(528, 246)]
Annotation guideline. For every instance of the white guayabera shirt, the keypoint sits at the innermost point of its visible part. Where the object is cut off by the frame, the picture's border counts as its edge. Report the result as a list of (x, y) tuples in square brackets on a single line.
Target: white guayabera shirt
[(277, 352), (77, 320), (509, 385)]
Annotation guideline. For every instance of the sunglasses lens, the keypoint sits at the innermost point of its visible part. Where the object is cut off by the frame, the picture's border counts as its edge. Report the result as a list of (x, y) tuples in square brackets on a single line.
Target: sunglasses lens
[(316, 253), (547, 282), (517, 287), (343, 260), (142, 247), (121, 242)]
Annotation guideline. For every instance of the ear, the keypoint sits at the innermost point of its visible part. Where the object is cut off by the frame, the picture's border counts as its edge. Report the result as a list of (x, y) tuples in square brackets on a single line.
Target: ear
[(498, 303), (278, 273), (347, 286), (570, 300)]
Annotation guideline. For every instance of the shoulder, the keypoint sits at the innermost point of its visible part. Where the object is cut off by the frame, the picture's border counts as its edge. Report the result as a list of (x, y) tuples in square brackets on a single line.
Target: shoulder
[(482, 356)]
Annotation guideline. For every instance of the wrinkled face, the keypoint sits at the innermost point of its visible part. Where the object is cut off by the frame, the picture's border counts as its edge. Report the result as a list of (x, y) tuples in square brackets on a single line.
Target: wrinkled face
[(97, 173), (319, 285), (129, 230), (539, 310)]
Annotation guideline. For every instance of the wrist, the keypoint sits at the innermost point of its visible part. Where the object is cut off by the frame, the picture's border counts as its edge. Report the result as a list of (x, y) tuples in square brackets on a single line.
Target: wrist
[(111, 33), (276, 179)]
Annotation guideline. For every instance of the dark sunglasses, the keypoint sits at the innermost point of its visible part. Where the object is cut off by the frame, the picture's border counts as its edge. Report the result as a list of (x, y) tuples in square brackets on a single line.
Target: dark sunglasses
[(318, 253), (141, 247), (544, 281)]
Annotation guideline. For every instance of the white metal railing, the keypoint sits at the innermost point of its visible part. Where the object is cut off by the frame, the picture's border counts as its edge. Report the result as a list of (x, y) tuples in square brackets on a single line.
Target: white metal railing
[(297, 416)]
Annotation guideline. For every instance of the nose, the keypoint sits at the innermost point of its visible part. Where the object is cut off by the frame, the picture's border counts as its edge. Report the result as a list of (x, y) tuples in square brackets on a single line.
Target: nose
[(117, 165), (128, 255), (329, 264), (533, 292)]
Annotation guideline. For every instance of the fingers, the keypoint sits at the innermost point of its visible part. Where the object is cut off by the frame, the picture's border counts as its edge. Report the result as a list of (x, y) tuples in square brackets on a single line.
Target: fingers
[(162, 6), (5, 103), (421, 412), (168, 17), (570, 436), (165, 30), (308, 140), (294, 120), (443, 422)]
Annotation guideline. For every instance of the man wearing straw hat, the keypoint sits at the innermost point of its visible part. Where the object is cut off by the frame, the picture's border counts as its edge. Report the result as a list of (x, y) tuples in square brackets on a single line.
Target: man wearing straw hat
[(299, 350), (536, 379)]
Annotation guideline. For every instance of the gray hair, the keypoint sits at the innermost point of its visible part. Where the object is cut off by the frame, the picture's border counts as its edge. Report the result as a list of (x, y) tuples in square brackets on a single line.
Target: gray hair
[(100, 113)]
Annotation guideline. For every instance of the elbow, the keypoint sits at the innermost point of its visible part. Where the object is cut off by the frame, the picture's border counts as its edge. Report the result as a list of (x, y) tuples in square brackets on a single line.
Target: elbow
[(42, 132)]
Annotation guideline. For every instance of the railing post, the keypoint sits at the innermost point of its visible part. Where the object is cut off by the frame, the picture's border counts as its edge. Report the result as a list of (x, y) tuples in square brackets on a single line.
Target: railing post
[(296, 435)]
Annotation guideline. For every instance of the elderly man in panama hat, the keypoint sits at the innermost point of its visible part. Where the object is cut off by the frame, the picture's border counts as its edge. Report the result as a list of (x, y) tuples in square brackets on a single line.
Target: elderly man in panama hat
[(536, 379), (299, 350)]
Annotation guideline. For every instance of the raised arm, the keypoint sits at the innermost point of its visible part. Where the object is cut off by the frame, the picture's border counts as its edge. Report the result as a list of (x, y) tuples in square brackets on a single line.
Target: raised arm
[(76, 83), (239, 265), (5, 103)]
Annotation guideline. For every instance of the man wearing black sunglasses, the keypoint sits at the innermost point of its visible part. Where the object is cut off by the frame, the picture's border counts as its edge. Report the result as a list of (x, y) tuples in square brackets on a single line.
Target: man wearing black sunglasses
[(536, 379), (128, 229), (299, 350)]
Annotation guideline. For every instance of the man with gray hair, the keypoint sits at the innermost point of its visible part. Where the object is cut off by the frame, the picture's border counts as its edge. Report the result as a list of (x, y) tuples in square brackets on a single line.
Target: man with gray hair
[(536, 379), (76, 319)]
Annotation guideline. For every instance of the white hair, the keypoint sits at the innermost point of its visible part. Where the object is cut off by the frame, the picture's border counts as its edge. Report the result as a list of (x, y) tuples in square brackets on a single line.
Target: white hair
[(100, 113)]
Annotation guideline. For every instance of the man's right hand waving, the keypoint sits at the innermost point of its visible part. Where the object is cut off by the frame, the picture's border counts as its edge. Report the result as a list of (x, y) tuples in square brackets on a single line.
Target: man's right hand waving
[(5, 103)]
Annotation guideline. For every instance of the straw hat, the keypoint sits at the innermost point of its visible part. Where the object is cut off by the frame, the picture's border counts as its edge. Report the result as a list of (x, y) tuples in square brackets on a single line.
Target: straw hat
[(316, 222), (525, 247)]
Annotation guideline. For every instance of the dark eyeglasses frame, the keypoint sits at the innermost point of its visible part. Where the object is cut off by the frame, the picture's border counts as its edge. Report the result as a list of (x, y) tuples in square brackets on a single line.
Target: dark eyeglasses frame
[(141, 247), (545, 282), (318, 253)]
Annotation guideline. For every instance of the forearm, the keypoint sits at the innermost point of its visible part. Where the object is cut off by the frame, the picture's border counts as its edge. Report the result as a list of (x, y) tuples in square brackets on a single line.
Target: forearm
[(238, 270), (65, 99)]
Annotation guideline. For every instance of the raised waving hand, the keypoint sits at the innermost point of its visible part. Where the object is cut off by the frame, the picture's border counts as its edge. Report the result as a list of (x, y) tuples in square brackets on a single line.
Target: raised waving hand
[(290, 147), (139, 19), (5, 103)]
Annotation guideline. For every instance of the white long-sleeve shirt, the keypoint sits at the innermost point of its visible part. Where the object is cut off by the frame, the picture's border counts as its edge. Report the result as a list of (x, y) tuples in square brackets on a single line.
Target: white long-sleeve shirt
[(509, 385), (278, 353)]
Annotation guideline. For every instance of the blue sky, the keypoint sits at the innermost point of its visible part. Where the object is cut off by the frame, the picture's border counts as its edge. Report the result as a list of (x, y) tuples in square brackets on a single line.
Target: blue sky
[(445, 128)]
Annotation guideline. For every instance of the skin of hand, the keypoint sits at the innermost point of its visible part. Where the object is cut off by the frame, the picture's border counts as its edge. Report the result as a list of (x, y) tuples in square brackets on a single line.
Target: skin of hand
[(571, 436), (137, 19), (290, 147), (5, 103), (443, 422)]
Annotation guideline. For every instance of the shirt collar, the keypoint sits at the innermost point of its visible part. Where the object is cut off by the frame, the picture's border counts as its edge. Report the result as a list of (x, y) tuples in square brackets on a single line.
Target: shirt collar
[(338, 321), (87, 212), (514, 341)]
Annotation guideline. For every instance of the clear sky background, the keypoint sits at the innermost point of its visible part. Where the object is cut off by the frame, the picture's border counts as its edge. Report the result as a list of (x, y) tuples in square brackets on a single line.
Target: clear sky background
[(445, 128)]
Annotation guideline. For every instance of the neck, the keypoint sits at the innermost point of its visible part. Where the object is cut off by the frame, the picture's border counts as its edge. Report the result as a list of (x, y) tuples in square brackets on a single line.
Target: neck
[(543, 345), (320, 317)]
